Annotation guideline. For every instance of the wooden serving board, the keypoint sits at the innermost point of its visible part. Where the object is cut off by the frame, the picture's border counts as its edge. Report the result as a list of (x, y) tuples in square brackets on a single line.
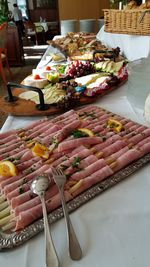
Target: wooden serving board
[(23, 107)]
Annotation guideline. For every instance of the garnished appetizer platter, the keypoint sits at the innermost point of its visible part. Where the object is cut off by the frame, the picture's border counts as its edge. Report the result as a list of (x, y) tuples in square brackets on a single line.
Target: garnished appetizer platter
[(82, 46), (93, 147), (54, 88), (75, 70)]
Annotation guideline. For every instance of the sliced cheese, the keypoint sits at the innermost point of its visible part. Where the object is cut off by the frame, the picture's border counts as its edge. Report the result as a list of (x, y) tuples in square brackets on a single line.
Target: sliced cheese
[(98, 82), (51, 95), (86, 80)]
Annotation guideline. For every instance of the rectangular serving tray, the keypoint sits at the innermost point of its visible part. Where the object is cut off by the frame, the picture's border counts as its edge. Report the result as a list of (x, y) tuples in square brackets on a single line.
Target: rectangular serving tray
[(12, 240)]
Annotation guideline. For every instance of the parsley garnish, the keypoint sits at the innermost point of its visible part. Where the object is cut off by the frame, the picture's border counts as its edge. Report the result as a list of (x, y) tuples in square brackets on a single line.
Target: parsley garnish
[(78, 134), (54, 140), (76, 162), (18, 158), (92, 115), (64, 167), (24, 181), (21, 190), (29, 139), (68, 175)]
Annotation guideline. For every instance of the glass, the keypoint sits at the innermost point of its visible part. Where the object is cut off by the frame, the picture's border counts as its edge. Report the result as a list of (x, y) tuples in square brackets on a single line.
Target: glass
[(139, 85)]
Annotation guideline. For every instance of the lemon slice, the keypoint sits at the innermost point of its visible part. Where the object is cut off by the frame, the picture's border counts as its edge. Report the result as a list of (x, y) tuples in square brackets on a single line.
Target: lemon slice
[(86, 131), (56, 57), (53, 77), (7, 168), (114, 125), (40, 150)]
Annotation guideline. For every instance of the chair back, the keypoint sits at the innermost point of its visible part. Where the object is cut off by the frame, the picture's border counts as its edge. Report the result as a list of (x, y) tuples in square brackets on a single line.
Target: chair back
[(68, 26), (87, 25), (29, 27)]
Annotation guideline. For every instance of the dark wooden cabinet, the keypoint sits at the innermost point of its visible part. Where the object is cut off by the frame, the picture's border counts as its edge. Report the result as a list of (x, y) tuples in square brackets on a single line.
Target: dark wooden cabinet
[(14, 47), (48, 10)]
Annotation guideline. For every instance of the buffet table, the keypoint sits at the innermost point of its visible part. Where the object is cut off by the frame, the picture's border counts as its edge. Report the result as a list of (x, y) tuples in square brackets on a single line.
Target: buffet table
[(113, 228), (133, 47)]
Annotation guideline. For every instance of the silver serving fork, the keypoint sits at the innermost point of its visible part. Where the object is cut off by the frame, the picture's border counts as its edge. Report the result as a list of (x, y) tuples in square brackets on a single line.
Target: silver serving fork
[(74, 246)]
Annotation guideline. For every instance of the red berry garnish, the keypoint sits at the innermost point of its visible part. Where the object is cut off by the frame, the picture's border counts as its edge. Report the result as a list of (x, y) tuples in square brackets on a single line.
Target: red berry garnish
[(36, 77), (47, 68)]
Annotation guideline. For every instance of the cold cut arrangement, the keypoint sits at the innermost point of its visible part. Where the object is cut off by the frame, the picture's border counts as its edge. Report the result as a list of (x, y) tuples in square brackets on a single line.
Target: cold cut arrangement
[(89, 145)]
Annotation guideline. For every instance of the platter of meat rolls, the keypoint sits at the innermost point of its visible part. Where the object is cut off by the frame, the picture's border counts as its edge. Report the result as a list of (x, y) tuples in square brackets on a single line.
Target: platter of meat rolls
[(94, 148)]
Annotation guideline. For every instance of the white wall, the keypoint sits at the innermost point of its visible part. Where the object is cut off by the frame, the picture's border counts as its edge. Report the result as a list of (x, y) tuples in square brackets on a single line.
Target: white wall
[(10, 4)]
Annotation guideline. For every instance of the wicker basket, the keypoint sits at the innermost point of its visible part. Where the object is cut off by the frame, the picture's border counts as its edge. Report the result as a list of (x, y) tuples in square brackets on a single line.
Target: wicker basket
[(132, 21)]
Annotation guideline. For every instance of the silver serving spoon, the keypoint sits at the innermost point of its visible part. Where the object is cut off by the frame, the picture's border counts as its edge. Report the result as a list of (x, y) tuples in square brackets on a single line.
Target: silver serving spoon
[(39, 186)]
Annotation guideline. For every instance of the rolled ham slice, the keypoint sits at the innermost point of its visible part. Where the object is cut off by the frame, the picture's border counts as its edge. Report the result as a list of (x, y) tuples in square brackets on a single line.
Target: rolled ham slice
[(10, 147), (126, 158), (27, 217), (10, 180), (106, 142), (83, 164), (41, 129), (92, 179), (14, 140), (78, 142), (53, 129), (81, 155), (113, 148), (6, 134), (25, 180), (66, 115), (145, 148), (34, 125), (144, 142), (32, 202), (89, 170), (66, 155)]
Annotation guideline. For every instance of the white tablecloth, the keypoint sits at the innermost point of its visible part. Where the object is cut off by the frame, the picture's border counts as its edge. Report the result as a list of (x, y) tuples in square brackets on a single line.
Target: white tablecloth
[(113, 228), (133, 47)]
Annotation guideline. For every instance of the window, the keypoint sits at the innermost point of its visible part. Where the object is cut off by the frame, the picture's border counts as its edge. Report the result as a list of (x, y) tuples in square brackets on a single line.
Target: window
[(23, 7), (52, 4)]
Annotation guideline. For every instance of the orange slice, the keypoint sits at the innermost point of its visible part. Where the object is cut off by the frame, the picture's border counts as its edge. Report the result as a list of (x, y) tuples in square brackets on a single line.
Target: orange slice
[(40, 150), (86, 131), (114, 125), (7, 168)]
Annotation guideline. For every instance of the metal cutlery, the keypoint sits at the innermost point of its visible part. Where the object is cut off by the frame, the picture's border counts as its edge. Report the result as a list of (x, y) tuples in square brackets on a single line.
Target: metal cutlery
[(74, 246), (39, 186)]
